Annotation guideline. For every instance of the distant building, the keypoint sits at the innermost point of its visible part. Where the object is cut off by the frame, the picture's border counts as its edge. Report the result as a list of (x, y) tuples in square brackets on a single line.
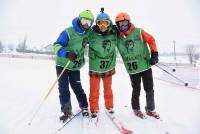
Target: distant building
[(49, 49)]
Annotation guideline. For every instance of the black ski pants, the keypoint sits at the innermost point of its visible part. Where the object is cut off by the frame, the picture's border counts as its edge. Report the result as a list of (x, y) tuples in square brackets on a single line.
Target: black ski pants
[(147, 80)]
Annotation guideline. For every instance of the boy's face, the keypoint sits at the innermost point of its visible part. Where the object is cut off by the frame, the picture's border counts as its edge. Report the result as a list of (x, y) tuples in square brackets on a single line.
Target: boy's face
[(86, 23), (123, 25), (103, 24), (102, 28)]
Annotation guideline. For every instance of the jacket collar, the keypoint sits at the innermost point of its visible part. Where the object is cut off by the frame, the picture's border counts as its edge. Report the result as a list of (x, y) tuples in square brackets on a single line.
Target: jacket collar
[(76, 26)]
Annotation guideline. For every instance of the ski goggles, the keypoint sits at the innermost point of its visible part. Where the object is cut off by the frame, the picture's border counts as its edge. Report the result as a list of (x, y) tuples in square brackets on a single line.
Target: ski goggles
[(85, 21), (123, 23), (105, 23)]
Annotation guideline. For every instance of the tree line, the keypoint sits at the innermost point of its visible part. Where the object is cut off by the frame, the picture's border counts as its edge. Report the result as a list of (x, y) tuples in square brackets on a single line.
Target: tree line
[(191, 50)]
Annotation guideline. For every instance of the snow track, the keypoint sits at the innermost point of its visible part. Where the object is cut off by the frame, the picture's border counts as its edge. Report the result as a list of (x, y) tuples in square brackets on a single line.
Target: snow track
[(24, 82)]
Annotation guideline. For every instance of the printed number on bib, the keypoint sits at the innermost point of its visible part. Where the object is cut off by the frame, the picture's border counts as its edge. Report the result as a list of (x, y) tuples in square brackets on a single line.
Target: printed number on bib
[(132, 66), (104, 64), (77, 63)]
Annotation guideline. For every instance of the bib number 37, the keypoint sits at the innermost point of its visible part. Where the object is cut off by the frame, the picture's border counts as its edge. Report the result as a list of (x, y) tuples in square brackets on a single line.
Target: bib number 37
[(104, 64)]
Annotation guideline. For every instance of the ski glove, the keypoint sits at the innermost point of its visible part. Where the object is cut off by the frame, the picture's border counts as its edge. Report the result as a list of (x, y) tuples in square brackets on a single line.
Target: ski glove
[(154, 58), (71, 55)]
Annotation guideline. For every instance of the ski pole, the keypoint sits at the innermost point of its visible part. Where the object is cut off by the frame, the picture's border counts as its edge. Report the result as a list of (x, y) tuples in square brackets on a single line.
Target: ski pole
[(49, 91), (74, 116), (185, 83), (173, 69)]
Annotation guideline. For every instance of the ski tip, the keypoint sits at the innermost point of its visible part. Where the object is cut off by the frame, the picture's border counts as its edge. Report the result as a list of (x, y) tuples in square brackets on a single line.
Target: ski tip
[(126, 131)]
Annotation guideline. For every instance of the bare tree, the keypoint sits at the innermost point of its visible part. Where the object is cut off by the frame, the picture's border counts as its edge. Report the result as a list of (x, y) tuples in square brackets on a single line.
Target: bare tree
[(22, 47), (191, 52), (1, 47), (10, 47), (197, 56)]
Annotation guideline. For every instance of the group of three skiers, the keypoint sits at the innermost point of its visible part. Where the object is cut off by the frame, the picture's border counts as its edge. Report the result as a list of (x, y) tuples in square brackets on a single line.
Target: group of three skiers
[(137, 49)]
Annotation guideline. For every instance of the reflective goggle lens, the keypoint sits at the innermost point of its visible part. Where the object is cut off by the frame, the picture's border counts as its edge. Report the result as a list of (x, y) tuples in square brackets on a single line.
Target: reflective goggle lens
[(123, 23), (103, 22), (85, 21)]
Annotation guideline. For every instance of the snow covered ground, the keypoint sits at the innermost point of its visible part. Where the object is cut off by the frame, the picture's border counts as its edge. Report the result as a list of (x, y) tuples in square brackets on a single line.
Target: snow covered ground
[(25, 82)]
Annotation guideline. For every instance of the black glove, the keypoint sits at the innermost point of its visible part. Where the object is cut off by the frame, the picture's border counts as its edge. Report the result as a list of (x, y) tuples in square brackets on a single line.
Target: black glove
[(154, 58), (71, 55)]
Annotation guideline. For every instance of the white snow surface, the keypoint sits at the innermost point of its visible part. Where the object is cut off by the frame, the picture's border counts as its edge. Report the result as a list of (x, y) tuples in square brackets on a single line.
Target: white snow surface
[(25, 82)]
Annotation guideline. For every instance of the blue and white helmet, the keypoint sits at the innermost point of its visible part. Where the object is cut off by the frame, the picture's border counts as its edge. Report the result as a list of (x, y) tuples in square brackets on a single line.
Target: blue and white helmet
[(103, 16)]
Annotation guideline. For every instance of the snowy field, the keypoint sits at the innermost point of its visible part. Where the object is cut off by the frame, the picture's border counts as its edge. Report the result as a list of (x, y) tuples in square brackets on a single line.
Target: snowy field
[(25, 82)]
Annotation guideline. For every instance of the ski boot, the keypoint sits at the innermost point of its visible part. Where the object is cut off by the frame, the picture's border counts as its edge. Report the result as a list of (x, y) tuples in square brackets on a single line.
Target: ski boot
[(152, 113), (110, 111), (85, 112), (139, 114), (94, 117), (65, 116), (94, 114)]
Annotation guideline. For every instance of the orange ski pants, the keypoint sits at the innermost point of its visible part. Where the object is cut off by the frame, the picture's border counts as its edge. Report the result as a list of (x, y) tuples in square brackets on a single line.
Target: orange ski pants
[(94, 93)]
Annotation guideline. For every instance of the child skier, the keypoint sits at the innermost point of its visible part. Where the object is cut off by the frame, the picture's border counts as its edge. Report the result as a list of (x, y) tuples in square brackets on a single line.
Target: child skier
[(132, 45), (102, 60), (69, 47)]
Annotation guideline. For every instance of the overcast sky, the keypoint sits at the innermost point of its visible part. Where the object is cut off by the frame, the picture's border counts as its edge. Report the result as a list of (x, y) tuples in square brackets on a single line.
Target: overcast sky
[(41, 21)]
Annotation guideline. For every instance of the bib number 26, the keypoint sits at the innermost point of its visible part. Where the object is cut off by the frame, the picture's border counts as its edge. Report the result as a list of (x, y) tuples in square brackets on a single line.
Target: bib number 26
[(132, 65)]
